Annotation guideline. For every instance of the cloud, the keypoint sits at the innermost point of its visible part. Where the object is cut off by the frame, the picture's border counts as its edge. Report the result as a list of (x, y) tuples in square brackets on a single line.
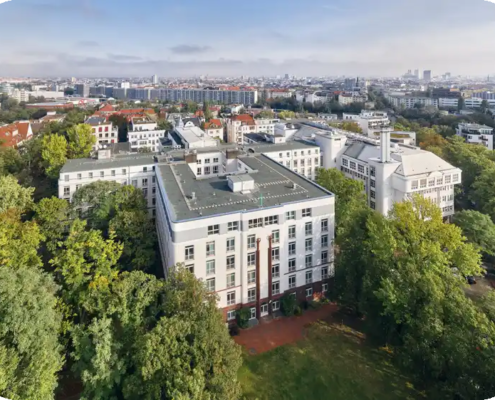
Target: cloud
[(87, 43), (491, 1), (189, 49), (4, 1)]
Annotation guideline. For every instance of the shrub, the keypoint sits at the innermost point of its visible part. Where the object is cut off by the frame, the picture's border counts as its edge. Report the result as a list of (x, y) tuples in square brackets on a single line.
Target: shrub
[(298, 311), (288, 304), (242, 317)]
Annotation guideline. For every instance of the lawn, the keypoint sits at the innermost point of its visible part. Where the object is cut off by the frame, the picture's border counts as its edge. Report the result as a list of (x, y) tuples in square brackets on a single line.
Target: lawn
[(330, 364)]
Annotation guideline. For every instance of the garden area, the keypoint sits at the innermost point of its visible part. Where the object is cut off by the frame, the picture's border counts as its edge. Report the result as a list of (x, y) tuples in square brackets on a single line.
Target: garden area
[(331, 362)]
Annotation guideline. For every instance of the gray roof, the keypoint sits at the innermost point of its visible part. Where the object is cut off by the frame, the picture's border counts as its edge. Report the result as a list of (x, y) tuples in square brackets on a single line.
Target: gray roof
[(194, 120), (117, 161), (273, 186), (96, 120)]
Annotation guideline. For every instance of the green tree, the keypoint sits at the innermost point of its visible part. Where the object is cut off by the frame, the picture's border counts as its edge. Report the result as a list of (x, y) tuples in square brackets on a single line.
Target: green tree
[(13, 195), (483, 191), (286, 114), (266, 114), (206, 111), (54, 216), (54, 154), (81, 141), (478, 228), (165, 125), (29, 326)]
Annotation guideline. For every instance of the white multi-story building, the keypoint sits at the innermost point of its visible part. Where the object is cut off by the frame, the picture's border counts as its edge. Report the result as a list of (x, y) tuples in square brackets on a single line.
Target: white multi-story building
[(110, 165), (144, 134), (239, 125), (252, 231), (214, 128), (390, 172), (372, 123), (103, 130), (410, 101), (476, 134), (349, 98), (447, 102)]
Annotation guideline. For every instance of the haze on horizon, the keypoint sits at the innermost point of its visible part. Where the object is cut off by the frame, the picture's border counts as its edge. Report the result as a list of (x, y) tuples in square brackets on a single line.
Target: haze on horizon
[(220, 38)]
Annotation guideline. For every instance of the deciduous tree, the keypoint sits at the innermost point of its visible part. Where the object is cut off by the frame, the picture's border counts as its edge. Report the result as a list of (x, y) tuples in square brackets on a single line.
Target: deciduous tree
[(478, 228), (54, 154), (81, 141), (13, 195)]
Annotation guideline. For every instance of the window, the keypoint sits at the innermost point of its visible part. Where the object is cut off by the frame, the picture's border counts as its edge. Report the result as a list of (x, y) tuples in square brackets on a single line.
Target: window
[(233, 226), (231, 315), (145, 169), (215, 160), (275, 236), (302, 163), (353, 165), (112, 172), (189, 253), (134, 183), (230, 262), (292, 248), (372, 183), (210, 285), (91, 175), (439, 181), (275, 288), (271, 220), (345, 162), (316, 161), (295, 163), (291, 215), (373, 205), (324, 273), (207, 170), (255, 223), (361, 168), (252, 296), (302, 152), (309, 244), (124, 171), (190, 268), (79, 176), (253, 313), (324, 241), (231, 300), (275, 271), (309, 292), (422, 183), (213, 229), (198, 162), (230, 280), (306, 212), (292, 265), (447, 178), (276, 254), (309, 261), (251, 242), (324, 225), (251, 277), (102, 174), (431, 182), (372, 171), (280, 155), (251, 259), (324, 287), (210, 249), (308, 228), (153, 190), (292, 232), (324, 256), (292, 282), (210, 267), (199, 171), (207, 160), (276, 305), (414, 185), (215, 169), (67, 191), (309, 277), (372, 194), (231, 244), (455, 178)]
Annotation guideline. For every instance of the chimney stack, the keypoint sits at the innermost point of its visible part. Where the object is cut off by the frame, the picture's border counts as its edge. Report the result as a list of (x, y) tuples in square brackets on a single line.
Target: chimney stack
[(385, 145)]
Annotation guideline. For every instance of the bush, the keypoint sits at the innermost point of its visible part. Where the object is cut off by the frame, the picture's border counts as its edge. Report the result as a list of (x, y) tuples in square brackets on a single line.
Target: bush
[(288, 304), (234, 330), (242, 317), (298, 311)]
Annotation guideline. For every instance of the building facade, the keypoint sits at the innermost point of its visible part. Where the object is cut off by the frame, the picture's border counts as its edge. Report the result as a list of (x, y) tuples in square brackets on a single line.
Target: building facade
[(103, 130), (476, 134), (144, 134)]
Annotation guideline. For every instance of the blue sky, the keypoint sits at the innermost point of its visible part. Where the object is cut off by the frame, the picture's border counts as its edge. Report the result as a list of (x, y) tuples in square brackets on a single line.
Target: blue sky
[(224, 37)]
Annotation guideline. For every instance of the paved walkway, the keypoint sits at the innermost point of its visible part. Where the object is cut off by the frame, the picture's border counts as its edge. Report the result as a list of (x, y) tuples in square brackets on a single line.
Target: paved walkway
[(278, 332)]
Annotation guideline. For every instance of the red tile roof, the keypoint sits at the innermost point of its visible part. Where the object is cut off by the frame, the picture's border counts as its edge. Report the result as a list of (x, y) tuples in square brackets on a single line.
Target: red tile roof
[(213, 124), (246, 118), (13, 134)]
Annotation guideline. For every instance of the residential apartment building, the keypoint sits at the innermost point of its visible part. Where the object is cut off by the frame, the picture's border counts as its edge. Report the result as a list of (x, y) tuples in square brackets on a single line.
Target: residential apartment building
[(371, 122), (81, 90), (246, 97), (103, 130), (144, 134), (214, 128), (406, 101), (15, 134), (252, 231), (239, 125), (390, 172), (349, 98), (476, 134)]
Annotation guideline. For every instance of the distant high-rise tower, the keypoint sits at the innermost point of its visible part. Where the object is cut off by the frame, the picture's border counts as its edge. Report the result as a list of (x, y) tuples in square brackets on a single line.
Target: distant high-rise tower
[(154, 79), (427, 76), (416, 73)]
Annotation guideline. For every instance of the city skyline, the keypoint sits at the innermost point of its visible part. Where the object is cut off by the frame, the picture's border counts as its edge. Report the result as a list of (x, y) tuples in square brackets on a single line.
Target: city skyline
[(87, 38)]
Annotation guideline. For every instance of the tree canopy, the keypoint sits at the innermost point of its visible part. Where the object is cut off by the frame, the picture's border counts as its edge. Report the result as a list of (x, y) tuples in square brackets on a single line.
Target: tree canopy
[(13, 195), (81, 141), (54, 153)]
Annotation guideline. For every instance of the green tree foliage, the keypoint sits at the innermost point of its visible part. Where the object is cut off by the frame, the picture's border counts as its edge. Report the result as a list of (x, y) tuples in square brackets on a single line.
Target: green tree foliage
[(165, 125), (190, 107), (54, 154), (81, 141), (286, 114), (267, 114), (406, 274), (19, 241), (54, 216), (13, 195), (152, 339), (478, 228), (206, 111), (29, 327)]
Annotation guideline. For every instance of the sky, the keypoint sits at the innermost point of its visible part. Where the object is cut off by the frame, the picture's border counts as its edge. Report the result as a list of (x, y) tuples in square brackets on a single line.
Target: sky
[(117, 38)]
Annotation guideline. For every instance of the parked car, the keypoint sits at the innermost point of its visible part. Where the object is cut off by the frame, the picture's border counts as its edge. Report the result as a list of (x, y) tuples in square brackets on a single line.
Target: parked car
[(471, 280)]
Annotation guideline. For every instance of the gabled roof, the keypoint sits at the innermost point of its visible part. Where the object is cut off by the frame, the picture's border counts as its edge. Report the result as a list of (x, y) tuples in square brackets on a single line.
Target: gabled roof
[(419, 162), (245, 118), (195, 121), (13, 134), (213, 124)]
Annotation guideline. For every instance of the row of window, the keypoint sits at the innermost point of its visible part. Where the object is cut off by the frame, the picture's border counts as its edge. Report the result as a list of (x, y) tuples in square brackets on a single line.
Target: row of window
[(303, 153), (102, 174), (208, 170), (352, 165), (207, 161), (447, 179)]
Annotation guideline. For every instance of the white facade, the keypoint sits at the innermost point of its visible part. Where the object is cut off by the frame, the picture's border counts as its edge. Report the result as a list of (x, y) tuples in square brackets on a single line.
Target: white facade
[(144, 134), (228, 247), (103, 130), (410, 101), (476, 134), (346, 99), (372, 123), (240, 125), (448, 102)]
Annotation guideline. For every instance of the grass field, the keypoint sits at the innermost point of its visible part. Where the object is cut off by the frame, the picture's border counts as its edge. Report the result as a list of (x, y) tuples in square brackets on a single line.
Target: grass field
[(330, 364)]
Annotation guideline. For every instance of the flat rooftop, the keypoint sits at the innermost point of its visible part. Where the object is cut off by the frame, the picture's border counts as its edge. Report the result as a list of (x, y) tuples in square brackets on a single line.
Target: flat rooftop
[(116, 161), (273, 187)]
